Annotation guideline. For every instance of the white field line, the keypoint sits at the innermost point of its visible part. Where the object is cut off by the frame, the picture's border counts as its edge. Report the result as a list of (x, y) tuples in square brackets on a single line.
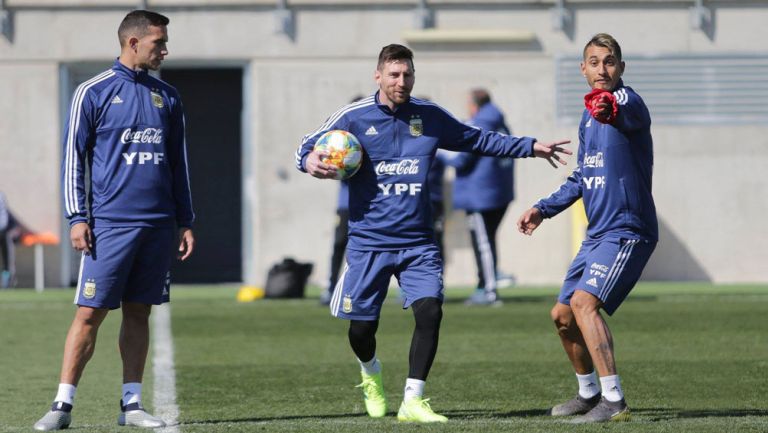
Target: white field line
[(164, 370)]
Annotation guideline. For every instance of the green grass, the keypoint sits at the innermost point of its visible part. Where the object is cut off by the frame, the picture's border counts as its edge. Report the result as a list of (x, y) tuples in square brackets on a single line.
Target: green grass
[(692, 357)]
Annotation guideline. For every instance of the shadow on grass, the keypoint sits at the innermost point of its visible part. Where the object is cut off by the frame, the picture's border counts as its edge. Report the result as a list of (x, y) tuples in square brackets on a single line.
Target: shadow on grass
[(277, 418), (485, 413), (663, 414), (651, 414)]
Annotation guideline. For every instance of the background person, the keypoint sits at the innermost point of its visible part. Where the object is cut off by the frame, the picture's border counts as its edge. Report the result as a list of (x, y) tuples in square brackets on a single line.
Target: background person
[(483, 187), (7, 246)]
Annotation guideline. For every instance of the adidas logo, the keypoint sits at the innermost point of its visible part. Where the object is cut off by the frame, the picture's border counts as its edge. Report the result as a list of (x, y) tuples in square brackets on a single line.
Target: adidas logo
[(117, 100), (592, 282), (371, 131)]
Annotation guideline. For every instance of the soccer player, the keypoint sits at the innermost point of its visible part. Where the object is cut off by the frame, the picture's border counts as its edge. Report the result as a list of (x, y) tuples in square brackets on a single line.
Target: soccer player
[(613, 176), (127, 128), (390, 226), (483, 187)]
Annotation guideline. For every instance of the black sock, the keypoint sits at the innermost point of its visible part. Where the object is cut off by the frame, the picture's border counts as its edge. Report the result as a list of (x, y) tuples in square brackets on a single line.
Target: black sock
[(428, 313)]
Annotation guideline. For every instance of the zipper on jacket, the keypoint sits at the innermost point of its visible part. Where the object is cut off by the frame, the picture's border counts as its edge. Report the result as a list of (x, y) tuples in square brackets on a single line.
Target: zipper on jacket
[(394, 129), (136, 89)]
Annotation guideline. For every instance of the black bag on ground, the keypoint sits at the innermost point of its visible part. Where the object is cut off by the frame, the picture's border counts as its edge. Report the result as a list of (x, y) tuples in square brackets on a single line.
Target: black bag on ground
[(287, 279)]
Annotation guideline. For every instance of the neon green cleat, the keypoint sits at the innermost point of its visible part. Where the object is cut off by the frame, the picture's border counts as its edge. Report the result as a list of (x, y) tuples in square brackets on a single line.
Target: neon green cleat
[(373, 391), (417, 409)]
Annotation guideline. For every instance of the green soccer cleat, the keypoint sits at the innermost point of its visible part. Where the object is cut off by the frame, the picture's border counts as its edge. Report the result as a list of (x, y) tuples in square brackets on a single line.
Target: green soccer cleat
[(417, 409), (373, 392)]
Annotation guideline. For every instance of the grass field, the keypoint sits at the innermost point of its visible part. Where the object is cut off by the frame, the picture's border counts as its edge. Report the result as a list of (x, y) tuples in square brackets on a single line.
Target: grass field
[(692, 357)]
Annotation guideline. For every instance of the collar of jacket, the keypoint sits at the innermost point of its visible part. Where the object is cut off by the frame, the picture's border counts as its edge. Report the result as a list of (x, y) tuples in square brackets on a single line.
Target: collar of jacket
[(128, 73)]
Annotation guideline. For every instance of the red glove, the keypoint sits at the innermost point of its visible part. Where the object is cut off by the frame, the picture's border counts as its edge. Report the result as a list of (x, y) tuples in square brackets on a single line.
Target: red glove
[(597, 96)]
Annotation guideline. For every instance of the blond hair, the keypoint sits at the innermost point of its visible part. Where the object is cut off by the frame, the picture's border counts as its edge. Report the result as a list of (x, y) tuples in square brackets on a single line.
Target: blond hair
[(606, 41)]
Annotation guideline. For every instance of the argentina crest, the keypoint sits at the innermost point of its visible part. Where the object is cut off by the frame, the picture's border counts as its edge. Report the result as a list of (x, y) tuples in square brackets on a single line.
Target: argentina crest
[(416, 126), (157, 100), (347, 305), (89, 289)]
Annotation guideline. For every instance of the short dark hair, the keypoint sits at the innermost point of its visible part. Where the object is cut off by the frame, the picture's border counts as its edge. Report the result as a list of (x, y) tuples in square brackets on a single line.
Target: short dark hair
[(480, 97), (137, 23), (394, 52), (606, 41)]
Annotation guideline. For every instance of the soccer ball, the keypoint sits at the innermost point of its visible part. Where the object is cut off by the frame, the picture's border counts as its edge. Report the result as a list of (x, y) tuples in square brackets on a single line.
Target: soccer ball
[(344, 152)]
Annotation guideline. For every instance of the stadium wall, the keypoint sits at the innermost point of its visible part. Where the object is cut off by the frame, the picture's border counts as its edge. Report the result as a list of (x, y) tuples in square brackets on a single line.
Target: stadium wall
[(710, 197)]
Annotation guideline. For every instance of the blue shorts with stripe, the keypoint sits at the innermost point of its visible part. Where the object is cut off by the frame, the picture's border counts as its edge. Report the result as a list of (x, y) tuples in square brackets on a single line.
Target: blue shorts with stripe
[(607, 268), (362, 287), (126, 264)]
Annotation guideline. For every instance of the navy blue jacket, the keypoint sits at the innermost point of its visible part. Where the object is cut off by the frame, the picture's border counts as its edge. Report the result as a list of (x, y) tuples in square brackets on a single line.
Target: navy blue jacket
[(389, 199), (614, 175), (128, 127), (343, 202), (483, 182)]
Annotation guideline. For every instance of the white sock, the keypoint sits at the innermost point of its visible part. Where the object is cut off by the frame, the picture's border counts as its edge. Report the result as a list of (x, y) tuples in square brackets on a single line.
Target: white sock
[(131, 393), (587, 385), (611, 388), (371, 367), (66, 393), (413, 388)]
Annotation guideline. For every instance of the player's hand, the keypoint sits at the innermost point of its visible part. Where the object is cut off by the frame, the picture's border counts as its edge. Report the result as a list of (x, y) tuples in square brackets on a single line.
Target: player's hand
[(186, 243), (529, 221), (317, 168), (82, 237), (550, 151), (601, 105)]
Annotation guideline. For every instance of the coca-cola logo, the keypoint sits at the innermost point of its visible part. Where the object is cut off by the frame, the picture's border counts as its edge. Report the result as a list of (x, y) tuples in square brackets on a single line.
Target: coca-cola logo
[(405, 166), (594, 161), (148, 135)]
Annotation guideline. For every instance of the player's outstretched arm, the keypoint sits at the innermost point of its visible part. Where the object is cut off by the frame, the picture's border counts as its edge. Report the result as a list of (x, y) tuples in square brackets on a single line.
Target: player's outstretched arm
[(550, 150), (529, 221), (186, 243), (317, 168)]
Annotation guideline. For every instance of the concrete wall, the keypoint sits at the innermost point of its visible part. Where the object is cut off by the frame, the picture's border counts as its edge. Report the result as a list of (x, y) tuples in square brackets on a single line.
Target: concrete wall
[(710, 196)]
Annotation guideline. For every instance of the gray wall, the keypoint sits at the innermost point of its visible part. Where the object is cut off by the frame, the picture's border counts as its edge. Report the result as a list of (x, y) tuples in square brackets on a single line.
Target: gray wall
[(711, 199)]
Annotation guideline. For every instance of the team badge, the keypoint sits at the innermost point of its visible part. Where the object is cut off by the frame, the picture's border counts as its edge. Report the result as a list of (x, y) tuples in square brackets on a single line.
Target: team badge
[(89, 290), (417, 127), (157, 100), (347, 304)]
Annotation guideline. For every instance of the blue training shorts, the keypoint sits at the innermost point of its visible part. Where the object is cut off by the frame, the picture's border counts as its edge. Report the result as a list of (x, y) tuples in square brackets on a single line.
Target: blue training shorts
[(362, 287), (126, 264), (607, 268)]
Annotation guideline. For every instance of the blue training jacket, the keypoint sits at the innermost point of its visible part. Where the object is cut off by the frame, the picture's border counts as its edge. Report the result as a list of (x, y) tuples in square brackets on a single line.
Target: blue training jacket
[(483, 182), (389, 199), (128, 127), (614, 175)]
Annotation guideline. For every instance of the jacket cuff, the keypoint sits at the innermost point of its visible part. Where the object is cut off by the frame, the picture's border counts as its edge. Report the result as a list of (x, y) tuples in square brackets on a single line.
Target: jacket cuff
[(540, 207), (77, 220)]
